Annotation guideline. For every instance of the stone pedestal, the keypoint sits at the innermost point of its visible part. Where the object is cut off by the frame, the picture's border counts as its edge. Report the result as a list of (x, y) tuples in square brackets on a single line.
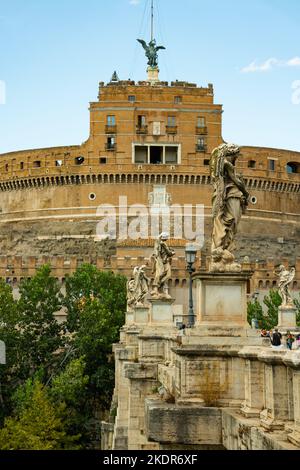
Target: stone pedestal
[(292, 360), (129, 317), (276, 412), (141, 315), (153, 74), (161, 312), (287, 317), (254, 380), (222, 299)]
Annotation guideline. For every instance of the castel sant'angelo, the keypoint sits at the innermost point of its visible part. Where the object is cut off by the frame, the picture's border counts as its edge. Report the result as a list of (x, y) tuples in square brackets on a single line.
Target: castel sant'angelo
[(149, 141)]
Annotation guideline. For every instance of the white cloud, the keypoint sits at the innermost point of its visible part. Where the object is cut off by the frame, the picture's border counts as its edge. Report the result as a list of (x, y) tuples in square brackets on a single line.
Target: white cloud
[(270, 64), (134, 2)]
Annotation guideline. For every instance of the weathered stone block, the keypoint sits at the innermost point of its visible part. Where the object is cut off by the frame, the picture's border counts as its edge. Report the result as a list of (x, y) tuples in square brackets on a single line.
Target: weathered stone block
[(222, 298), (140, 371), (170, 423)]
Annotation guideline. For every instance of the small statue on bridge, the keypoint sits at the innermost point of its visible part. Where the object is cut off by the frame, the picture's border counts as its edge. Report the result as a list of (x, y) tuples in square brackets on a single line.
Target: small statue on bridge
[(161, 263), (285, 279), (229, 202), (137, 288)]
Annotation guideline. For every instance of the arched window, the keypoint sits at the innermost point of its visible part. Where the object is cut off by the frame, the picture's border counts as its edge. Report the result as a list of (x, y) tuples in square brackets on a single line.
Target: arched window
[(293, 167)]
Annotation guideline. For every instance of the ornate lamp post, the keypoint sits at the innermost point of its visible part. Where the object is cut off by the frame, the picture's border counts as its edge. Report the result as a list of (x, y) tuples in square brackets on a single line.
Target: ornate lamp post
[(190, 256)]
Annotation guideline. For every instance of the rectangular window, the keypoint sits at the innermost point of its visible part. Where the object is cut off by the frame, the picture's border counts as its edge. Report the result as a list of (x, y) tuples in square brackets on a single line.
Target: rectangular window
[(111, 142), (251, 164), (171, 121), (102, 160), (21, 165), (272, 165), (178, 99), (131, 99), (156, 155), (141, 121), (200, 147), (111, 120), (201, 122), (141, 154), (58, 163), (172, 155), (37, 164)]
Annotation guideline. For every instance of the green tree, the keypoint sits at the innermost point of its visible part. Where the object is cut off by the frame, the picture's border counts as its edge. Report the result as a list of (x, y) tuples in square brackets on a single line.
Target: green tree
[(297, 305), (11, 335), (39, 426), (96, 304), (71, 387), (255, 310), (273, 302), (41, 335)]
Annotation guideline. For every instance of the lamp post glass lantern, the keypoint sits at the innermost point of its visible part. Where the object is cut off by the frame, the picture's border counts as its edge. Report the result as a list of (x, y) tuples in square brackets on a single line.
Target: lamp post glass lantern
[(190, 256)]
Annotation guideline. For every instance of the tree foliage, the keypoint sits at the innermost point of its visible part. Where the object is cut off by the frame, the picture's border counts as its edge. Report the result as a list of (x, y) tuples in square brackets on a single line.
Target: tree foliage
[(96, 304), (267, 319), (39, 424), (66, 370), (42, 336)]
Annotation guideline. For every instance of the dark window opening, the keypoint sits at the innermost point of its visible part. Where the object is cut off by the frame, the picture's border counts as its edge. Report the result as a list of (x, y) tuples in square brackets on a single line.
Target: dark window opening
[(178, 99), (6, 167), (156, 155), (293, 167), (141, 121), (102, 160), (37, 164), (251, 164), (272, 165), (79, 160), (131, 98), (200, 146), (206, 162), (21, 165), (110, 144)]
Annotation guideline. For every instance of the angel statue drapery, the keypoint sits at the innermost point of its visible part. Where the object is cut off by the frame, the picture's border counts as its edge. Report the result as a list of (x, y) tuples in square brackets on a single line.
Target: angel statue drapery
[(151, 51), (285, 279), (137, 288), (229, 202), (161, 264)]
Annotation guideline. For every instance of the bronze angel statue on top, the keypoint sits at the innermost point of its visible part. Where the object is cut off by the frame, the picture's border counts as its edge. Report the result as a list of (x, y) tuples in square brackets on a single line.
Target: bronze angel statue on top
[(151, 51)]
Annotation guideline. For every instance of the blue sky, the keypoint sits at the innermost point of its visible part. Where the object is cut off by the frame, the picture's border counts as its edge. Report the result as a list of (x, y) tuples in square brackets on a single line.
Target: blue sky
[(54, 53)]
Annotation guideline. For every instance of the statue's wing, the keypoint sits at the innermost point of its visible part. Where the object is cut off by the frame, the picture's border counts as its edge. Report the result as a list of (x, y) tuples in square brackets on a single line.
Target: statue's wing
[(160, 47), (290, 276), (144, 44)]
